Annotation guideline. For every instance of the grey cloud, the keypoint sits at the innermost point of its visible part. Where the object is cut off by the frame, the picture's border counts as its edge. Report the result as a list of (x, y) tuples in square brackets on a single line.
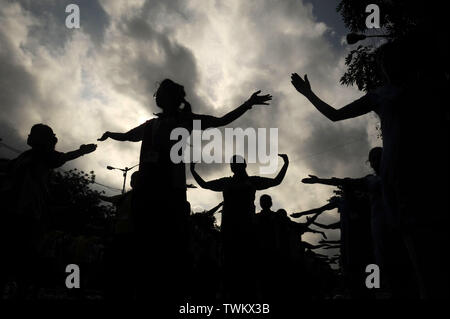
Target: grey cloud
[(51, 30)]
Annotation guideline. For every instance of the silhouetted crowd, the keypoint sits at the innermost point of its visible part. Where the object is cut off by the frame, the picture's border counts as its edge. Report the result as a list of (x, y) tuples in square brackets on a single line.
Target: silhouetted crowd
[(153, 246)]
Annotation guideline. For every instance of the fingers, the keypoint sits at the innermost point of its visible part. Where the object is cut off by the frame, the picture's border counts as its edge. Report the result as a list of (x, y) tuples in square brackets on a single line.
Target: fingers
[(103, 137)]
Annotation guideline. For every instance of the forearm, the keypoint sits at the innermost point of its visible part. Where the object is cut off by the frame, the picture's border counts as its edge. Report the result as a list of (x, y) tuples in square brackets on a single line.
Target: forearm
[(118, 136), (215, 209), (321, 225), (232, 116), (198, 179), (330, 181), (324, 108), (69, 156), (281, 174)]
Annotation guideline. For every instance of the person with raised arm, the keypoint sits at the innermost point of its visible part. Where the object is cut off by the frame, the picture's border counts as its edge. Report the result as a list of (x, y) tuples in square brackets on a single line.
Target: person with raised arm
[(400, 103), (237, 226), (27, 212), (160, 199)]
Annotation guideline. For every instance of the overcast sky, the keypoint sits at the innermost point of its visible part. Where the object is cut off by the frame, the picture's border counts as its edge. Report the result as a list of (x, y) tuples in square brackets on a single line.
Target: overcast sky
[(102, 76)]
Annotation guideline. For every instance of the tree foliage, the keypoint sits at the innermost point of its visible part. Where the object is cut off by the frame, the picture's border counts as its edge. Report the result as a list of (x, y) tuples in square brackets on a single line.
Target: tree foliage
[(75, 205), (398, 19)]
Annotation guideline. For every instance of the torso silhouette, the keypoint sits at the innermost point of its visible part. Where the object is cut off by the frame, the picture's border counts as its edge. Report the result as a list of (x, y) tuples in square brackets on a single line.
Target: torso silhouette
[(30, 172), (239, 201)]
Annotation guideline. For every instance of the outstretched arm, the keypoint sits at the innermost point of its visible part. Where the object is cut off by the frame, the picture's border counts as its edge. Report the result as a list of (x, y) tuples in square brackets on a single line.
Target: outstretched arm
[(328, 242), (354, 109), (312, 179), (212, 121), (315, 210), (133, 135), (214, 210), (83, 150), (216, 185), (336, 225), (264, 183)]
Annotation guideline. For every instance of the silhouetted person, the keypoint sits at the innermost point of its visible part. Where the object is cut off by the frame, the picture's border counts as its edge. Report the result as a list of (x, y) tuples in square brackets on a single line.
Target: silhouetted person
[(238, 221), (27, 211), (372, 185), (270, 262), (205, 249), (385, 244), (119, 257), (161, 196), (400, 104)]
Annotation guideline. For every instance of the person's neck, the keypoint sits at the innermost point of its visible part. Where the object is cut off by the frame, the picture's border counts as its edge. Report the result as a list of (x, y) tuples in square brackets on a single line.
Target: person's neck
[(241, 175)]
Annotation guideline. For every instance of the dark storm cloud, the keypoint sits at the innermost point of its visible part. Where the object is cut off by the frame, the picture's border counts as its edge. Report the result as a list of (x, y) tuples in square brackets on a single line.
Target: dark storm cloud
[(221, 51), (51, 30), (178, 62), (341, 148), (17, 89)]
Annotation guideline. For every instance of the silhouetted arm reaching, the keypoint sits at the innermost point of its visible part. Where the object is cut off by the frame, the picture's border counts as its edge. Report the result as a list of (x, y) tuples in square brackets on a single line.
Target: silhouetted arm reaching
[(311, 220), (214, 210), (216, 185), (336, 225), (328, 242), (312, 179), (315, 210), (212, 121), (360, 183), (83, 150), (354, 109), (133, 135), (264, 182)]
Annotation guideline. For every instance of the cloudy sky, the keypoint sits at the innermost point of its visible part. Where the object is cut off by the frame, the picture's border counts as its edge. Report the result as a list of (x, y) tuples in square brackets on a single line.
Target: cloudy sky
[(102, 76)]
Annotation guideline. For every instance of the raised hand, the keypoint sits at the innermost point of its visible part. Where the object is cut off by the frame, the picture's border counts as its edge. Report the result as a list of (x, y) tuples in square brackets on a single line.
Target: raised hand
[(312, 179), (310, 219), (301, 85), (284, 157), (88, 148), (256, 99), (104, 137)]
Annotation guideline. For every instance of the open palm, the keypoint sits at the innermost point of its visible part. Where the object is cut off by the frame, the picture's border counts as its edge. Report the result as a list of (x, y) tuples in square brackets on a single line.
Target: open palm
[(301, 85), (257, 99)]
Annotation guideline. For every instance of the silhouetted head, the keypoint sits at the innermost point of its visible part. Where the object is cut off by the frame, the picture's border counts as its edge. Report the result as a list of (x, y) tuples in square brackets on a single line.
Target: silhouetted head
[(42, 136), (265, 201), (169, 95), (134, 179), (282, 212), (375, 158), (238, 165)]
